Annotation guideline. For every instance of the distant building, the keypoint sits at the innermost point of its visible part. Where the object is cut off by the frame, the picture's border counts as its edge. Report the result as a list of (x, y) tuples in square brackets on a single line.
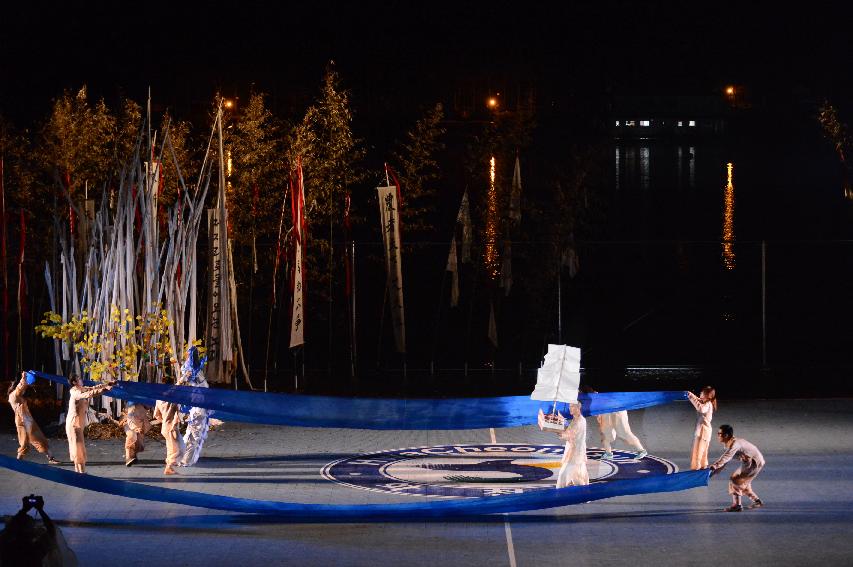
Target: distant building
[(645, 117)]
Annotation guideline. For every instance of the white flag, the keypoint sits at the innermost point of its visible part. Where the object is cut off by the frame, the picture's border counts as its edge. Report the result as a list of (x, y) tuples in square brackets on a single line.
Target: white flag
[(493, 326), (506, 268), (570, 260), (390, 219), (464, 218), (297, 315), (515, 194), (453, 268)]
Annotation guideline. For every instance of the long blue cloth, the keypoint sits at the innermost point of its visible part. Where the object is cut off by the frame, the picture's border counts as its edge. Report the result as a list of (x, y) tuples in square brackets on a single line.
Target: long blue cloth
[(374, 413), (534, 500)]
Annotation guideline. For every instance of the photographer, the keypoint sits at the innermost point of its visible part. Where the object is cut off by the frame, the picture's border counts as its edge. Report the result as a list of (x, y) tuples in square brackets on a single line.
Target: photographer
[(26, 541)]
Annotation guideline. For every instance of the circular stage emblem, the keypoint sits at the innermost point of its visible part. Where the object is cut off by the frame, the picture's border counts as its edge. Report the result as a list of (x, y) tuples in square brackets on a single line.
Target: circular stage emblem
[(469, 471)]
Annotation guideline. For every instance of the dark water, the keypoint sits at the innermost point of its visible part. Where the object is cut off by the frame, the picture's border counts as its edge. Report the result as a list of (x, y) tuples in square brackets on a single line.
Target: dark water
[(731, 255)]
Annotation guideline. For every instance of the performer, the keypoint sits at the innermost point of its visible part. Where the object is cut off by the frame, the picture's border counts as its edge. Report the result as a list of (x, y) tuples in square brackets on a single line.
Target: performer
[(136, 424), (615, 425), (75, 419), (28, 430), (706, 405), (574, 471), (198, 420), (169, 415), (740, 483)]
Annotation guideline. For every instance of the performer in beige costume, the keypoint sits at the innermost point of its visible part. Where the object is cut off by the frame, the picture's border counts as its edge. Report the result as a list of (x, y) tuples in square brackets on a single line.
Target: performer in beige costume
[(574, 471), (75, 419), (136, 425), (740, 483), (169, 415), (28, 431), (705, 404)]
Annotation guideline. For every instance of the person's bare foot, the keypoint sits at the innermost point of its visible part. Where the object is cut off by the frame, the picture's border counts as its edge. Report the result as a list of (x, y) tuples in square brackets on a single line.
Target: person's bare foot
[(52, 461), (170, 470)]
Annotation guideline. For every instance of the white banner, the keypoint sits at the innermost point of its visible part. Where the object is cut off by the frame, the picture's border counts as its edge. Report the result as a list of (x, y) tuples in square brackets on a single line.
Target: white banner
[(218, 304), (389, 216), (297, 319)]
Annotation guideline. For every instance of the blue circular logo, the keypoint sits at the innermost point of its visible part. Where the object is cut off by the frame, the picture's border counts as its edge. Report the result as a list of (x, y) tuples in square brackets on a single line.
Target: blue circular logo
[(470, 471)]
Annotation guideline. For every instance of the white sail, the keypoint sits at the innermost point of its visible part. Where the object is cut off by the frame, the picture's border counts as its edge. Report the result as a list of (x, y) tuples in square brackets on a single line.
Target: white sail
[(559, 377)]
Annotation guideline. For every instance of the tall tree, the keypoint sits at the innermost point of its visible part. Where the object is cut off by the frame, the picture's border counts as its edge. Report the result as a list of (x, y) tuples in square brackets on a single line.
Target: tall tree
[(419, 170), (330, 155), (78, 140), (836, 131), (258, 172)]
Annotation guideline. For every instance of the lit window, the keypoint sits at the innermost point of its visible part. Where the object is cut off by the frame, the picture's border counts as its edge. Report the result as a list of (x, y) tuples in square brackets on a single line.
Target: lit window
[(630, 123), (644, 122), (680, 123), (691, 123), (617, 123)]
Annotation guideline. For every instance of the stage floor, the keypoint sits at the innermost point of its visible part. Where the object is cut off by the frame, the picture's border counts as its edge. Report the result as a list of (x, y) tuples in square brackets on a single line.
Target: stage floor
[(807, 487)]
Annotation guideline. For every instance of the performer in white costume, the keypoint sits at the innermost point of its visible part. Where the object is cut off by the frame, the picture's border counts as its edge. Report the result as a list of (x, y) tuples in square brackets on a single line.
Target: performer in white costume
[(614, 426), (75, 419), (705, 405), (573, 472), (198, 419)]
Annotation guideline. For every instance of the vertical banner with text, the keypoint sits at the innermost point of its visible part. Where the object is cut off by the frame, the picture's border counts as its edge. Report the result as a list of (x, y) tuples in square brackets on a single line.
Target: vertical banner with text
[(297, 318), (389, 216)]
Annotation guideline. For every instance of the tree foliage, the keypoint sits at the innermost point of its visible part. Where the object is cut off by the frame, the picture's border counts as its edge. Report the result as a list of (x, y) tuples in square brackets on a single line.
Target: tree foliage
[(77, 141), (330, 153), (419, 170), (258, 172)]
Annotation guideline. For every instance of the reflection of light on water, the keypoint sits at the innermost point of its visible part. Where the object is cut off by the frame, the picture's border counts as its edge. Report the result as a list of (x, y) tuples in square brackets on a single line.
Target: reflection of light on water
[(644, 167), (729, 221), (691, 167), (678, 161), (491, 254), (618, 163)]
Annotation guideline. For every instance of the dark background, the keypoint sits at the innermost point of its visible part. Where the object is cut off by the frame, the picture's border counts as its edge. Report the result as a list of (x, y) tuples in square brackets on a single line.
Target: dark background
[(395, 55)]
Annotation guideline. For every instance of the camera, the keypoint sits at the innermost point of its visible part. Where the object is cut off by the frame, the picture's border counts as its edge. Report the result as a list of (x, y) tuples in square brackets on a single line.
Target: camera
[(34, 500)]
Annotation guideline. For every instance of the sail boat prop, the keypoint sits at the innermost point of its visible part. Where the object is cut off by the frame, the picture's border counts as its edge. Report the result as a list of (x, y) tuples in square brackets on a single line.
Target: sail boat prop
[(557, 381)]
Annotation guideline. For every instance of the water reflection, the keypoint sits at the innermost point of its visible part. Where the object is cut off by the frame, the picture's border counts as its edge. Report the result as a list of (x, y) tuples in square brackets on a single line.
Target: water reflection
[(678, 166), (729, 220), (691, 167), (644, 167), (618, 167)]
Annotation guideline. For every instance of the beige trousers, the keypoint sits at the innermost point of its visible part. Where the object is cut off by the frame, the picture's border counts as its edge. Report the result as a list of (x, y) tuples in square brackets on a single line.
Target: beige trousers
[(133, 444), (76, 440), (740, 483), (30, 434)]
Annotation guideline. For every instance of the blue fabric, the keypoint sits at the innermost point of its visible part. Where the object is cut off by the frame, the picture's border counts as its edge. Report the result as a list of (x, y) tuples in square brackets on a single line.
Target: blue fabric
[(375, 413), (31, 378), (534, 500)]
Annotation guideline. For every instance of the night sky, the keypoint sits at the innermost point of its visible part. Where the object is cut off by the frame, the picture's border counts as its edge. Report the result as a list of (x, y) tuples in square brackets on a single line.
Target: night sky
[(418, 51)]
